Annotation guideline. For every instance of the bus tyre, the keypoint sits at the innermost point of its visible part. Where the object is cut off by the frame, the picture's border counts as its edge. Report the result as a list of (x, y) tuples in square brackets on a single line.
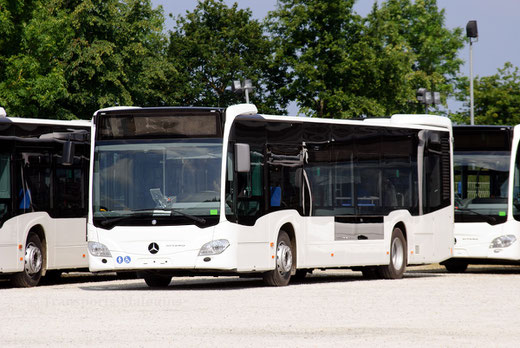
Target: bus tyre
[(281, 274), (397, 266), (33, 264), (455, 266), (157, 281)]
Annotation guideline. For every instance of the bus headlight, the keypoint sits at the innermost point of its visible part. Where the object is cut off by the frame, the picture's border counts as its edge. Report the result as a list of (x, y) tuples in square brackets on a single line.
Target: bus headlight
[(502, 241), (214, 247), (98, 249)]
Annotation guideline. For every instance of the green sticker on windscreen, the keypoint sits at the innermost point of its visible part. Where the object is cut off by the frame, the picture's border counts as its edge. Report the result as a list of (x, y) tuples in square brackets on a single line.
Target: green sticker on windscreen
[(213, 212), (501, 213)]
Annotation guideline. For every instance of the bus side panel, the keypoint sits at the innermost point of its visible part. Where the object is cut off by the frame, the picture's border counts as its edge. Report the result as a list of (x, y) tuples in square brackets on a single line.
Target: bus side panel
[(322, 249), (9, 251), (317, 242), (443, 235), (253, 249), (70, 243), (421, 246), (432, 237), (39, 220), (257, 244)]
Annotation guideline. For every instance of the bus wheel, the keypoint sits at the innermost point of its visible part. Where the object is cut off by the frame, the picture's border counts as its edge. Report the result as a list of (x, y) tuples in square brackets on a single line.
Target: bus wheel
[(281, 274), (455, 266), (33, 264), (397, 266), (157, 281)]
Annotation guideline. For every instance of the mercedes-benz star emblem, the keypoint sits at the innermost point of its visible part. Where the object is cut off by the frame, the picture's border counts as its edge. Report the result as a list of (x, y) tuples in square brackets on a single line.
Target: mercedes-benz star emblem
[(153, 248)]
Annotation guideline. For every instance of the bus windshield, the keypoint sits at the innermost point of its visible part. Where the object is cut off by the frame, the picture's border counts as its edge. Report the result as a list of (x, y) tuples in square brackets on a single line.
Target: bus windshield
[(481, 186), (171, 179)]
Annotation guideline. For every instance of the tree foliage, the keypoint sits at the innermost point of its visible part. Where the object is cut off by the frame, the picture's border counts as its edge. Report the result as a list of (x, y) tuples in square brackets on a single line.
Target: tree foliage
[(67, 58), (216, 44), (419, 27), (74, 57), (341, 65), (496, 98), (314, 43)]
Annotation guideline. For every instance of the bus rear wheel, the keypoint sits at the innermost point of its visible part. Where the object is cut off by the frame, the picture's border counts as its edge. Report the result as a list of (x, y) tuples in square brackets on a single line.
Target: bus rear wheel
[(33, 264), (281, 274), (397, 266)]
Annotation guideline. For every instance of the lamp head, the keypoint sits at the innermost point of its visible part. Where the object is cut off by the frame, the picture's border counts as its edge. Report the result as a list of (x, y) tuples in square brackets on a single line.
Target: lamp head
[(471, 29)]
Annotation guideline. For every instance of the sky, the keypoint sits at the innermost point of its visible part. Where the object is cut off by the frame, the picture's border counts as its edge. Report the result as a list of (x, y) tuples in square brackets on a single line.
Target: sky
[(498, 41)]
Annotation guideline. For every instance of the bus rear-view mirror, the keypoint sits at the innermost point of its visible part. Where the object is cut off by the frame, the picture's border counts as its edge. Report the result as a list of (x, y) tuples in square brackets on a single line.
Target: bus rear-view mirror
[(242, 158), (67, 158)]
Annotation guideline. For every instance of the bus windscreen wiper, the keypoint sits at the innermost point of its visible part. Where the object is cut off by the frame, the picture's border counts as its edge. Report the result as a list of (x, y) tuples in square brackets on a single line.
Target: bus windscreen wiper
[(149, 213), (489, 219), (110, 221), (193, 217)]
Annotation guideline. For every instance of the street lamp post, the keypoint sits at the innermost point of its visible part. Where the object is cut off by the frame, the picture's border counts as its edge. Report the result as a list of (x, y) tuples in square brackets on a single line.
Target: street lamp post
[(471, 33)]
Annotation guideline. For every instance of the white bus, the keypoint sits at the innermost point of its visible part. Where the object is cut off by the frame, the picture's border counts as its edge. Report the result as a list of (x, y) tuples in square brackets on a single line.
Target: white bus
[(487, 196), (43, 197), (193, 191)]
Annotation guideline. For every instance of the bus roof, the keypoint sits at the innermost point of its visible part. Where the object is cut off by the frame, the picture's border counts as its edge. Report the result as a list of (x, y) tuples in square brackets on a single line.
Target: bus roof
[(20, 120), (394, 121), (116, 109), (233, 111)]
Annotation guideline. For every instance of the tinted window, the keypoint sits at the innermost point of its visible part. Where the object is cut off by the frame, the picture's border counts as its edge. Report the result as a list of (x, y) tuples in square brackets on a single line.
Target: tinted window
[(437, 187), (161, 123), (5, 186), (245, 192), (34, 191), (372, 170)]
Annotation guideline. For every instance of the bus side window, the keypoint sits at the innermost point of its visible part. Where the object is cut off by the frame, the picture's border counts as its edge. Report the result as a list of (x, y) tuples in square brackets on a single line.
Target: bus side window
[(436, 175), (35, 185), (5, 177), (250, 186), (276, 196), (5, 185)]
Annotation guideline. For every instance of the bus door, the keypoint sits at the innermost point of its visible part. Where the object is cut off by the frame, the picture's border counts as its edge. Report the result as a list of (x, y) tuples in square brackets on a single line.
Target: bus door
[(434, 175)]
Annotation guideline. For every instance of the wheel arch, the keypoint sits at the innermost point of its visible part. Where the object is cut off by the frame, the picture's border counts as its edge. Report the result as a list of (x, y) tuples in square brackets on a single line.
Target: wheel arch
[(402, 227)]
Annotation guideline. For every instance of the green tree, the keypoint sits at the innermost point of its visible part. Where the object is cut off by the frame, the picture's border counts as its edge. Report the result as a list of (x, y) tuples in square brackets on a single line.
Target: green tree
[(75, 57), (216, 44), (496, 98), (14, 15), (314, 41), (341, 65), (419, 26)]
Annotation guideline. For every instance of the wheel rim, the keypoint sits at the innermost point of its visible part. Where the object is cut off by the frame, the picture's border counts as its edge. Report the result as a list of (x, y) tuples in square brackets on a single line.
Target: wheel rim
[(33, 259), (397, 253), (283, 258)]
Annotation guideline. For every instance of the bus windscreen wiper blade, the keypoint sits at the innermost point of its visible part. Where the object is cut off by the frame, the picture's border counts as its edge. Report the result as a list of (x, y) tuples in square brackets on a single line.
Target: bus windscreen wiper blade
[(110, 221), (149, 212), (487, 218), (189, 216)]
